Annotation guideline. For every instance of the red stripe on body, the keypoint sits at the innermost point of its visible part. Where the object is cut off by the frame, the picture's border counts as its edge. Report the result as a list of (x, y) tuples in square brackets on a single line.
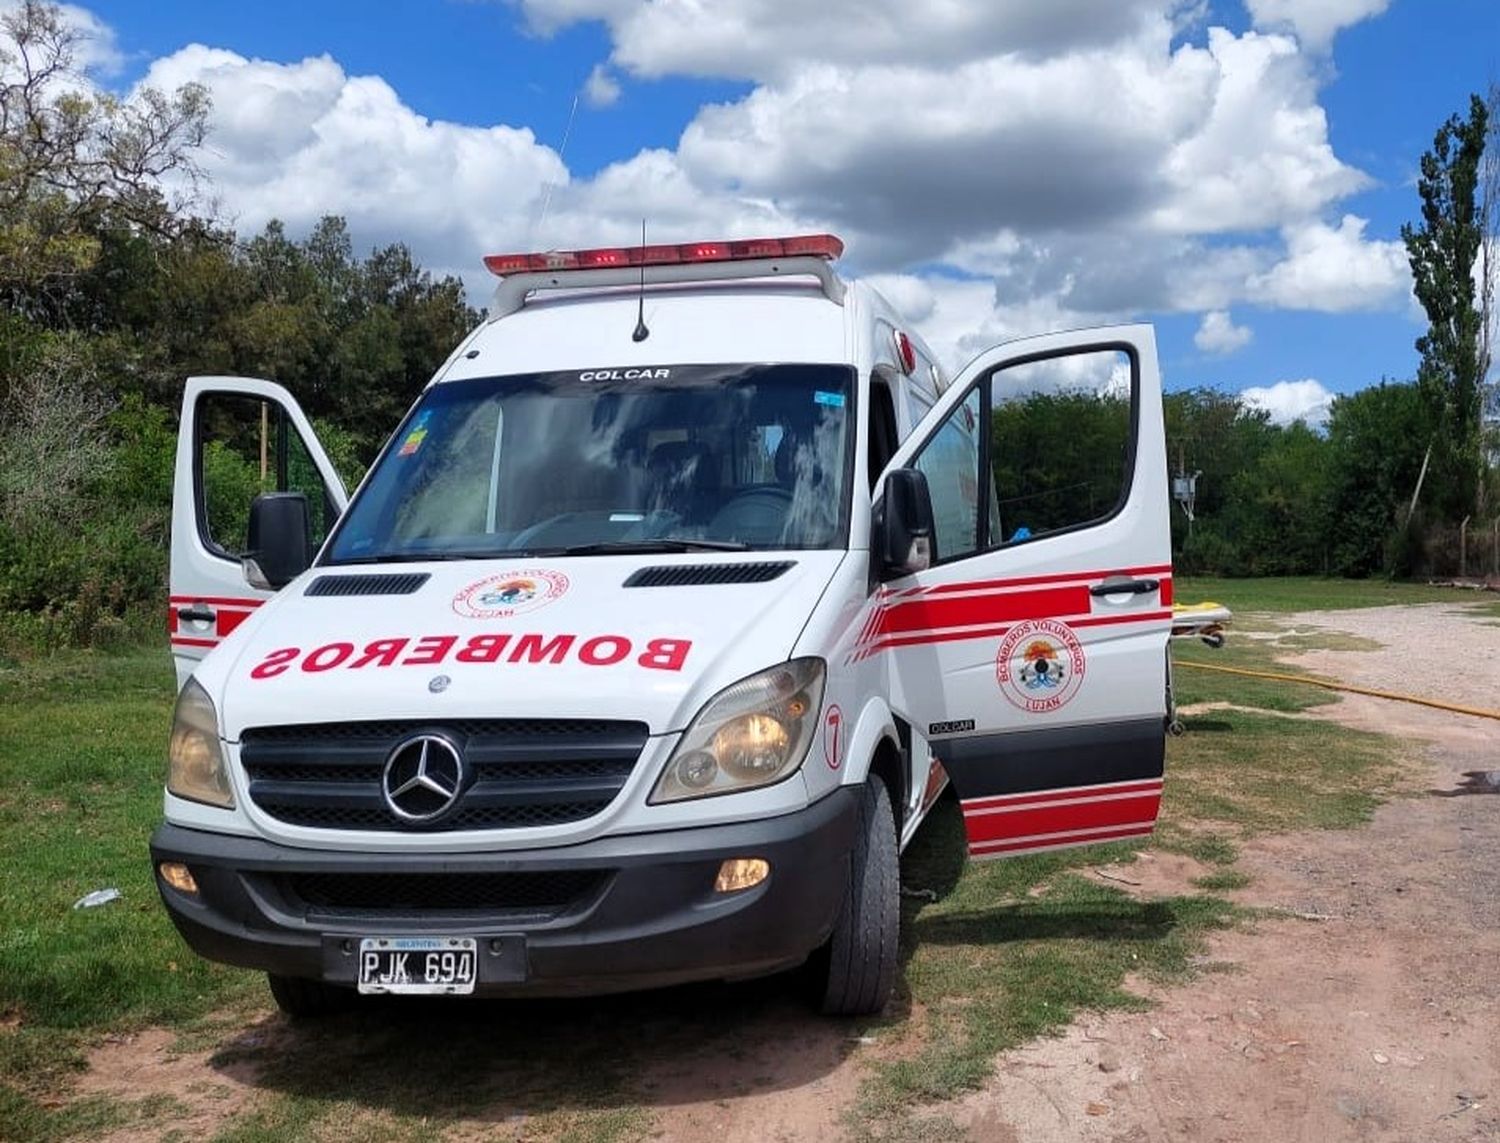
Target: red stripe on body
[(997, 632), (1120, 833), (182, 641), (975, 805), (215, 600), (226, 620), (1116, 812), (1011, 607)]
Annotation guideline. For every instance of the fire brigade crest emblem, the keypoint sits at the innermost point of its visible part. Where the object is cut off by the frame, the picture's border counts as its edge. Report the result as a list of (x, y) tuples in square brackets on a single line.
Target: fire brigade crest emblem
[(1040, 665), (510, 593)]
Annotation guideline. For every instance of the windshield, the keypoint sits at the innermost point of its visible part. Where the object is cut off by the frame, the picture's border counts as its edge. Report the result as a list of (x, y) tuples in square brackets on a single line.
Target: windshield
[(664, 458)]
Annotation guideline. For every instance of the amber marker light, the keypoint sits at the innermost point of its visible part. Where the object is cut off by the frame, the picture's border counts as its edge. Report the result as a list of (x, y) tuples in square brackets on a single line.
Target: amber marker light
[(741, 873), (178, 876)]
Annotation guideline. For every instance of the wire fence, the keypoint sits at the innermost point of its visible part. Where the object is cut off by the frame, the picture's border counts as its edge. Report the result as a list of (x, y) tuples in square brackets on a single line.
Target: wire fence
[(1463, 551)]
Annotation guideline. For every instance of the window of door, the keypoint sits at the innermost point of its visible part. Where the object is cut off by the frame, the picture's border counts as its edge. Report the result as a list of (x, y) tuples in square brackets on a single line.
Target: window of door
[(246, 446), (1037, 448), (1060, 443)]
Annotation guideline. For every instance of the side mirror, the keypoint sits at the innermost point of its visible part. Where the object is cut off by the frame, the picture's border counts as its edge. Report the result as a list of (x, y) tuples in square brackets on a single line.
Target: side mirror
[(278, 543), (902, 535)]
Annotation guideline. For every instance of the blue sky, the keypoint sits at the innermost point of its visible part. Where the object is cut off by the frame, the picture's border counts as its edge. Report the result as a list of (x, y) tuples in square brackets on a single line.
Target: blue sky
[(1237, 172)]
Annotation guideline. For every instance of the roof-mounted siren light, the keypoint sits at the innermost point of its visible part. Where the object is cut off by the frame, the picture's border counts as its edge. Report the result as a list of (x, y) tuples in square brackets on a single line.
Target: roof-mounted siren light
[(825, 246)]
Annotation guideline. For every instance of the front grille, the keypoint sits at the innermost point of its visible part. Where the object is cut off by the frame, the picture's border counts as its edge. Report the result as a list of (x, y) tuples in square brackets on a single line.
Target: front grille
[(397, 894), (522, 772)]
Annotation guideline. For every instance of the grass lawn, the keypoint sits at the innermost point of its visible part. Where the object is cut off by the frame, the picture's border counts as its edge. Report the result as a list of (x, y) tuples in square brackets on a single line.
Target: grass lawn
[(1311, 593), (1007, 951)]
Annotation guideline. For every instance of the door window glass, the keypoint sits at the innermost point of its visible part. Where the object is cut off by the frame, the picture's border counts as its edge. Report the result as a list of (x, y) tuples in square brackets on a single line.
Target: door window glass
[(1060, 442), (246, 446), (950, 461)]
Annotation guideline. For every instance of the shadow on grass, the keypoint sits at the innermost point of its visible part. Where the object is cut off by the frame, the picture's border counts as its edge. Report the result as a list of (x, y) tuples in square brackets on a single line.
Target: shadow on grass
[(493, 1061), (1115, 920), (1195, 725), (496, 1061), (1475, 782)]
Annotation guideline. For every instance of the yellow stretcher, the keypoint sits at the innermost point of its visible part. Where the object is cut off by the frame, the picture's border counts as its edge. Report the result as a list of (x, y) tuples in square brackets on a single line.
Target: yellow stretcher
[(1204, 621)]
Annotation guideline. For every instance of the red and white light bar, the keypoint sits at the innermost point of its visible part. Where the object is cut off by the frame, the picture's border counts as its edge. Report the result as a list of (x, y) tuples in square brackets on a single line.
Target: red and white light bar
[(825, 246)]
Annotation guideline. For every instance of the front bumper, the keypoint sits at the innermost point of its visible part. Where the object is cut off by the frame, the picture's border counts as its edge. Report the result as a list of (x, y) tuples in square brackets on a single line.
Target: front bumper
[(640, 911)]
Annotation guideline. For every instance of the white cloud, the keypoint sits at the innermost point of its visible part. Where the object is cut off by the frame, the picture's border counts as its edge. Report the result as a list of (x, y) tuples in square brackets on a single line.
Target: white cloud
[(1219, 335), (1087, 160), (1315, 22), (601, 89), (1260, 154), (1334, 270), (764, 40), (1289, 401), (296, 141)]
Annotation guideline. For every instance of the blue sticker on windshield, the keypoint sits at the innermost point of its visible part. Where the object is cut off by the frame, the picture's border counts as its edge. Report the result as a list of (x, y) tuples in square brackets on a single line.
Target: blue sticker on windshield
[(832, 400)]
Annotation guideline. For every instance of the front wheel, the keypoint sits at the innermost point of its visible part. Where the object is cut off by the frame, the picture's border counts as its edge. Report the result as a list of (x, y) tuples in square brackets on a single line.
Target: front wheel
[(860, 960)]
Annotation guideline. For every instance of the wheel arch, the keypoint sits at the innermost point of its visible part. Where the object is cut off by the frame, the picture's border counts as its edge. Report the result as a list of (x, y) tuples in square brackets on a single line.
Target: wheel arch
[(875, 749)]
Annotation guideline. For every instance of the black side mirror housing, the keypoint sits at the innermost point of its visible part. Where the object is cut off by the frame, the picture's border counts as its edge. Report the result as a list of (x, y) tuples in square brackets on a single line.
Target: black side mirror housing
[(902, 538), (278, 543)]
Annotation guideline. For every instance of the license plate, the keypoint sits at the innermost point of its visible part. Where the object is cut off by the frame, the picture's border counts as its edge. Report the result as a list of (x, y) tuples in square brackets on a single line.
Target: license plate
[(417, 964)]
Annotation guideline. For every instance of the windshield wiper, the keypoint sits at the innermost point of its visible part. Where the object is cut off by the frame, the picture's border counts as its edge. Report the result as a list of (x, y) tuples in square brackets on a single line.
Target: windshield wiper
[(629, 547)]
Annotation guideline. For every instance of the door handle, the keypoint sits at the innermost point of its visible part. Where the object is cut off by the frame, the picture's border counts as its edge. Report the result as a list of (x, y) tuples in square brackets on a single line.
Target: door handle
[(1124, 585), (198, 613)]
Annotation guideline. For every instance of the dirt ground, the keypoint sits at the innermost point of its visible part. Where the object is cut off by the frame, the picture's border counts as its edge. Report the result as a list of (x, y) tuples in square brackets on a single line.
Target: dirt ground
[(1370, 1011)]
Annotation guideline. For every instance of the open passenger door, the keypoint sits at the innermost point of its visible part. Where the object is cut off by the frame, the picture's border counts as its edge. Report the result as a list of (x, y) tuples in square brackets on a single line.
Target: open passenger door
[(1028, 642), (239, 438)]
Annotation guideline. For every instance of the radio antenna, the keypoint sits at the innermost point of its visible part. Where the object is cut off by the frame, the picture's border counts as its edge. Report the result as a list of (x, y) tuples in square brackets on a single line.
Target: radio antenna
[(540, 221), (641, 332)]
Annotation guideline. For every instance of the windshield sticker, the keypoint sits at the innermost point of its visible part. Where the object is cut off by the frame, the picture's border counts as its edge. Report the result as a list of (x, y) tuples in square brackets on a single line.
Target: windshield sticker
[(417, 435), (497, 648), (832, 400), (510, 593), (1040, 666)]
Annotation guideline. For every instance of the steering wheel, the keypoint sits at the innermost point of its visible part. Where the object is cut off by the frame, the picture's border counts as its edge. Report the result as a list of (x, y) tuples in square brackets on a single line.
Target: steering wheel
[(756, 515)]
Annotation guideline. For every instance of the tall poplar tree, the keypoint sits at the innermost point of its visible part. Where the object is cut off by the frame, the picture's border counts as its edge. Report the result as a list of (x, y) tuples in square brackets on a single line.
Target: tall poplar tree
[(1443, 251)]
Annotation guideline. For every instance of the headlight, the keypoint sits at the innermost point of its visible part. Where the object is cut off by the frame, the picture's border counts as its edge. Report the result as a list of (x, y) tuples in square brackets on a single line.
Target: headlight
[(750, 734), (195, 757)]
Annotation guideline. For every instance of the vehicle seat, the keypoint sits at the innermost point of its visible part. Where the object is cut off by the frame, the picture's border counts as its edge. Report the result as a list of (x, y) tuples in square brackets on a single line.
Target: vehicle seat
[(786, 461), (684, 480)]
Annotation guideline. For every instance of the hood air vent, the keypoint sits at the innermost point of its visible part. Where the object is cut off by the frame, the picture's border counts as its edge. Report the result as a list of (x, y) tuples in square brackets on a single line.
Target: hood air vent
[(687, 575), (401, 584)]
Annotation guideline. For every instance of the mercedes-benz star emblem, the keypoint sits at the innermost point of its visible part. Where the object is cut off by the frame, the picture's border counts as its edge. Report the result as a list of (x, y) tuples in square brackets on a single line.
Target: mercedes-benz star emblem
[(424, 776)]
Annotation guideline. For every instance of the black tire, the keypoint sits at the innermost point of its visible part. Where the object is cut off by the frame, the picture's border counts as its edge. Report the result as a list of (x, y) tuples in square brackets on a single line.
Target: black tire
[(860, 961), (303, 999)]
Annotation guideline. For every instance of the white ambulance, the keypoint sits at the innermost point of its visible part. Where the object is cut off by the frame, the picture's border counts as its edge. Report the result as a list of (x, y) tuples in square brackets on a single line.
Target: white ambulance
[(671, 607)]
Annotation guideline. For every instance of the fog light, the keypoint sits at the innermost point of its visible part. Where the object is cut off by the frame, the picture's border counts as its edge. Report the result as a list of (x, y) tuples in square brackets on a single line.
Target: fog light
[(741, 873), (178, 876)]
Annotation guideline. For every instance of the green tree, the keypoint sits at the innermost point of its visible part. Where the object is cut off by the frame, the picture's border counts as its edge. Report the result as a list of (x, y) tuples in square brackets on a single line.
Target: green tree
[(1378, 437), (73, 160), (1443, 251)]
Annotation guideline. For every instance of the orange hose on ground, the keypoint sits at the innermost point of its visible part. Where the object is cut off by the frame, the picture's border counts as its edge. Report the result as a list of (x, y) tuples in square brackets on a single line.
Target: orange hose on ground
[(1477, 712)]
